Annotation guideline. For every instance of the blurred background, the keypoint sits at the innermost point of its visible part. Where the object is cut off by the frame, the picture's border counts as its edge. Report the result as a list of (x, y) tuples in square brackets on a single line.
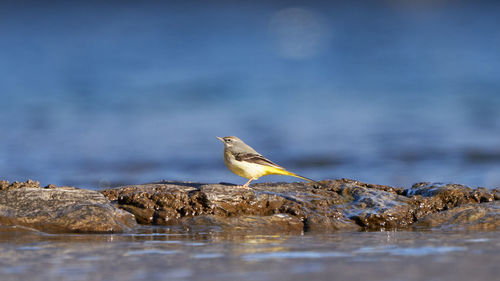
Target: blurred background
[(105, 93)]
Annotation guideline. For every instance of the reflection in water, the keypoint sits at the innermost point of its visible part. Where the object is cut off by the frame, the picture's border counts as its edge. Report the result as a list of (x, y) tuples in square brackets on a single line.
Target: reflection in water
[(168, 253)]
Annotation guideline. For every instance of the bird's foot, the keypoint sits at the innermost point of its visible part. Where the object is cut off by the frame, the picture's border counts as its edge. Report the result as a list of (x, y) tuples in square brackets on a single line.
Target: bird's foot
[(244, 187)]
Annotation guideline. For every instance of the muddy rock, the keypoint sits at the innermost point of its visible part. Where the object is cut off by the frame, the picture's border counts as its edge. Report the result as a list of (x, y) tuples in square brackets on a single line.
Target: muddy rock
[(451, 195), (428, 198), (496, 194), (377, 210), (336, 205), (60, 209), (173, 203), (5, 185), (469, 217)]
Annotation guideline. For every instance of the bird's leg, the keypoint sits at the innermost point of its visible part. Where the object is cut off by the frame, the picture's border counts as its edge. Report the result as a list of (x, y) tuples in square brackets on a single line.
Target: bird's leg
[(247, 183)]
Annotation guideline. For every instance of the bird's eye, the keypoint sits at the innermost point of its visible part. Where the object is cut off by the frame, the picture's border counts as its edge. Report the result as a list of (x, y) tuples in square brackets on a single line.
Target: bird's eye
[(228, 140)]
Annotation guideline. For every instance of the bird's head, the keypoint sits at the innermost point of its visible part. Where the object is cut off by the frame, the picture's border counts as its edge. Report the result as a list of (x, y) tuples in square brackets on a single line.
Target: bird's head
[(230, 141)]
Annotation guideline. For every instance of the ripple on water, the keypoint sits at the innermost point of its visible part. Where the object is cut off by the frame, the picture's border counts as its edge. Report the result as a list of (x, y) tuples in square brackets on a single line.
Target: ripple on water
[(417, 251), (163, 242), (151, 252), (208, 256), (294, 255), (478, 240)]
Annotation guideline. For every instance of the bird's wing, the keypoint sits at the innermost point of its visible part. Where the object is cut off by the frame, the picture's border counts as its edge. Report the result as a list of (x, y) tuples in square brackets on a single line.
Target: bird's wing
[(256, 158)]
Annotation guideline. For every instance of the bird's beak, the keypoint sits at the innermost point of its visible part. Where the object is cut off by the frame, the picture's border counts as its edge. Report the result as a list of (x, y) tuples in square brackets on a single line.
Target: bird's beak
[(221, 139)]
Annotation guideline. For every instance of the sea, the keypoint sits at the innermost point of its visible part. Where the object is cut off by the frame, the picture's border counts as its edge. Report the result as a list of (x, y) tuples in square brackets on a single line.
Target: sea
[(104, 93)]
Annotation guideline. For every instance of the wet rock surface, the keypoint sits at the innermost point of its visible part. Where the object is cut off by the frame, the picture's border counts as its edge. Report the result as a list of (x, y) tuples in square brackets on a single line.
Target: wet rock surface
[(60, 209), (465, 217), (335, 206)]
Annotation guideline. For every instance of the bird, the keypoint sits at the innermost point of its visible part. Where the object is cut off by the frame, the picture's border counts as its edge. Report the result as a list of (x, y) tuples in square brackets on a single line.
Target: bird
[(243, 160)]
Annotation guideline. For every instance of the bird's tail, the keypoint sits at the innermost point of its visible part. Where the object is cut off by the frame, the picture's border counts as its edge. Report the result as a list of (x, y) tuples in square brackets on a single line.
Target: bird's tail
[(287, 173)]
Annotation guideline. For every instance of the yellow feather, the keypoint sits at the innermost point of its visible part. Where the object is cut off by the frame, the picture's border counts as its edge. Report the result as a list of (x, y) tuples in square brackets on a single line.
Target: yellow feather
[(277, 171)]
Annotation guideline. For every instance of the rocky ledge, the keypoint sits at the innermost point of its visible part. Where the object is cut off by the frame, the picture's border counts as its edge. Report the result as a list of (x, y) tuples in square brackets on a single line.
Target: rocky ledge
[(336, 205)]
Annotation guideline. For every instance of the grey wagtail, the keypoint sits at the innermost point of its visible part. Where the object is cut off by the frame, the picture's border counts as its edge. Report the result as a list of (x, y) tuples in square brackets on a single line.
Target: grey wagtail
[(244, 161)]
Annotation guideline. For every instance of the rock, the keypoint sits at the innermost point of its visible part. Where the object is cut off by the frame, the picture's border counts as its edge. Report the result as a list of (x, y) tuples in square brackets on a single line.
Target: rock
[(451, 195), (496, 194), (4, 185), (378, 210), (338, 205), (60, 210), (469, 217), (175, 203), (428, 198)]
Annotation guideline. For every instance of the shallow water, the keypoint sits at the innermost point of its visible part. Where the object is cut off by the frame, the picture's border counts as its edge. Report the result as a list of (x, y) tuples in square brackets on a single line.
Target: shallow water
[(172, 254)]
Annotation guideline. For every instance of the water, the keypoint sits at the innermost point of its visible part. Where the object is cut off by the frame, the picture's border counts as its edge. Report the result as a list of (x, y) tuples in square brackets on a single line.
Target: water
[(168, 254), (103, 93)]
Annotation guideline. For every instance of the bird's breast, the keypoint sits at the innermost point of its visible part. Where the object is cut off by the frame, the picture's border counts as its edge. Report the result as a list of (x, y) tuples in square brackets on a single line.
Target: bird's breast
[(242, 168)]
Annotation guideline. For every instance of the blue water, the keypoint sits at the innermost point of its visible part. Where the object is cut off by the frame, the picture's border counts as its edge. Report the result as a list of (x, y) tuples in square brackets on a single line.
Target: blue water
[(103, 93)]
